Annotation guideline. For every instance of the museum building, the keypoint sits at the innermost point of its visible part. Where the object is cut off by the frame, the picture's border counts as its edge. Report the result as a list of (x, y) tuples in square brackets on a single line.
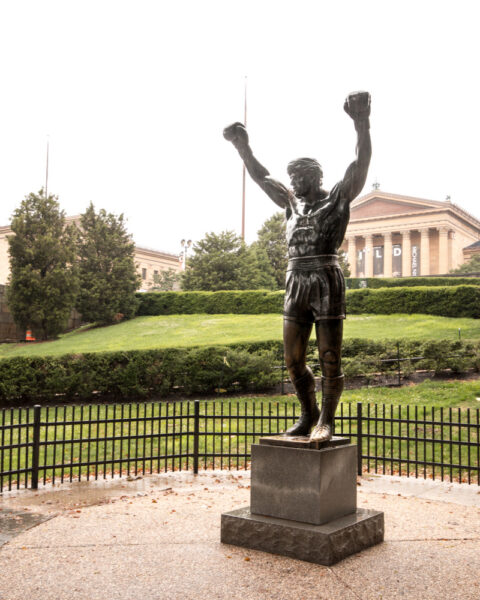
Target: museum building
[(390, 235), (149, 263)]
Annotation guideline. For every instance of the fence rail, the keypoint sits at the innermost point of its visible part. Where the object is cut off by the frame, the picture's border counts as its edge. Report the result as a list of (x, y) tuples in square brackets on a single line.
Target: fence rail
[(43, 445)]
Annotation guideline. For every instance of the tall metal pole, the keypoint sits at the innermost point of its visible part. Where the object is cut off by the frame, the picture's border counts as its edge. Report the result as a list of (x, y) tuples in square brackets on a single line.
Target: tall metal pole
[(46, 168), (243, 172), (185, 246)]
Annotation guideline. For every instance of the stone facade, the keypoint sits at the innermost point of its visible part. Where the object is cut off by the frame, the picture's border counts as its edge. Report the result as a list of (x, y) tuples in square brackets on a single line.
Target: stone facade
[(151, 262), (148, 262), (390, 235)]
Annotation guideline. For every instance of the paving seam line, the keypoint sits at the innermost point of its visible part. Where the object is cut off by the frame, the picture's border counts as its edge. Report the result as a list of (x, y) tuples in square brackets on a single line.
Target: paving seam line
[(115, 545), (344, 583)]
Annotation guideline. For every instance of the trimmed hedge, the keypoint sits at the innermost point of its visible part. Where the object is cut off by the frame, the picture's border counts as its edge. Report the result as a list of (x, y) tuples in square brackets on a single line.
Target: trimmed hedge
[(139, 375), (446, 301), (438, 355), (263, 301), (133, 375), (356, 283), (458, 301), (227, 302)]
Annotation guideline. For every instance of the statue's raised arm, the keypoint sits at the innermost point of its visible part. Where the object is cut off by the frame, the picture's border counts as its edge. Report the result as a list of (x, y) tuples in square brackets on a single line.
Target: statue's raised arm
[(357, 106), (237, 134)]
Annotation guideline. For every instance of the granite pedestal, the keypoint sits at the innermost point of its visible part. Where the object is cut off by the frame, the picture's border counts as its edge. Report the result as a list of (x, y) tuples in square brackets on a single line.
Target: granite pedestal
[(303, 502)]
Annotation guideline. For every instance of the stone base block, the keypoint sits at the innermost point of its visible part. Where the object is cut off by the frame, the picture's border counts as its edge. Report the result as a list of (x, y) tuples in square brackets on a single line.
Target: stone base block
[(321, 544), (304, 484)]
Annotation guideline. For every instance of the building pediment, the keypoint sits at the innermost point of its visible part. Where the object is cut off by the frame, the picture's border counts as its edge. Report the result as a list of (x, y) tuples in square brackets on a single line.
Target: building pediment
[(378, 204), (383, 208), (475, 246)]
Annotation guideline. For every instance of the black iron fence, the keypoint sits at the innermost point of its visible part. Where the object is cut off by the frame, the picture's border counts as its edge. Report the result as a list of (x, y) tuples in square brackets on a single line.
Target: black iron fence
[(43, 445)]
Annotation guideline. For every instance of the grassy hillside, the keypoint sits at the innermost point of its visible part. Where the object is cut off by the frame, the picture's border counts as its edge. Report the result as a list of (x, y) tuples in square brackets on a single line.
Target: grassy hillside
[(190, 330)]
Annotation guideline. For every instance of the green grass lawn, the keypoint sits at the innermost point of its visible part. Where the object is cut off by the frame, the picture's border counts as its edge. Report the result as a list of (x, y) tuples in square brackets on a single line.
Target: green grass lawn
[(191, 330), (156, 436), (439, 393)]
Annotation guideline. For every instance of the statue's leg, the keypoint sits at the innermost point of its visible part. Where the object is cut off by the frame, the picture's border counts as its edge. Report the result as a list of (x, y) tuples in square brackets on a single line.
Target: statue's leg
[(329, 340), (295, 338)]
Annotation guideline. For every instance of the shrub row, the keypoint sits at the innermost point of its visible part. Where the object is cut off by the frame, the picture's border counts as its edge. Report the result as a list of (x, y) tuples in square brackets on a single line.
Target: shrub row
[(458, 301), (234, 302), (447, 301), (438, 356), (355, 283), (133, 375), (139, 375), (361, 355)]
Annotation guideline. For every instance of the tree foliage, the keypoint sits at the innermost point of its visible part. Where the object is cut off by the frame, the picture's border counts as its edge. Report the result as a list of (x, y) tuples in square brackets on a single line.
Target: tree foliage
[(472, 266), (224, 262), (165, 280), (344, 264), (43, 275), (272, 240), (108, 278)]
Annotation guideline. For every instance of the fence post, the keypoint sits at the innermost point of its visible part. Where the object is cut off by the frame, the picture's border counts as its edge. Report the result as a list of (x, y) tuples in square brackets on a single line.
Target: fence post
[(36, 445), (359, 438), (398, 365), (196, 434)]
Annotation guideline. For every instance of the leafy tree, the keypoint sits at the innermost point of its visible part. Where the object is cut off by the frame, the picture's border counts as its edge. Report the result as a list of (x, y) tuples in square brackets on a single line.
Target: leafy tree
[(344, 264), (108, 278), (256, 271), (43, 280), (272, 239), (472, 266), (165, 280), (224, 262)]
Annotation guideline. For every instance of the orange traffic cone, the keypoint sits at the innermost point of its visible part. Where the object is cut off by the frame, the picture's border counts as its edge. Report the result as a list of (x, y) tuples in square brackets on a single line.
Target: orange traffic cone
[(29, 337)]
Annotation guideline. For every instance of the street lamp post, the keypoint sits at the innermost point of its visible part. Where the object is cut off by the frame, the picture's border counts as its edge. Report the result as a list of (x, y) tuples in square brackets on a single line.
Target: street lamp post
[(183, 254)]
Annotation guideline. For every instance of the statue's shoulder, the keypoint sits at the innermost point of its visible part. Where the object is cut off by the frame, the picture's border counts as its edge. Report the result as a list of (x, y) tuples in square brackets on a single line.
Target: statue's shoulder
[(336, 191), (337, 197)]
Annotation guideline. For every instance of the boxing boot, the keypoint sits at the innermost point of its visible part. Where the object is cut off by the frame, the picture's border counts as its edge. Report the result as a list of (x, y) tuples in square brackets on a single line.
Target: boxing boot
[(332, 388), (305, 388)]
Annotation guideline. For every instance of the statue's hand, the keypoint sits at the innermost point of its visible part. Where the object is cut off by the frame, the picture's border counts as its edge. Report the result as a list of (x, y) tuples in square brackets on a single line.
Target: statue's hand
[(236, 133), (357, 105)]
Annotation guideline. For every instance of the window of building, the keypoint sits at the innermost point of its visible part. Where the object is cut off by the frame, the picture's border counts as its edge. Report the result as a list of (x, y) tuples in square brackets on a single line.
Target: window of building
[(144, 273)]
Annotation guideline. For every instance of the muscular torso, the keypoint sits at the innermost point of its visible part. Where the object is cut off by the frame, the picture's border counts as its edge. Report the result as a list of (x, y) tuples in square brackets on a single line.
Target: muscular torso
[(318, 228)]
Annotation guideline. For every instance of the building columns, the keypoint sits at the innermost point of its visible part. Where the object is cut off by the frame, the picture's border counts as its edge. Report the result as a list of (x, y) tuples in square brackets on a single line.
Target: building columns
[(406, 254), (352, 255), (387, 254), (443, 250), (369, 256), (431, 254), (424, 252)]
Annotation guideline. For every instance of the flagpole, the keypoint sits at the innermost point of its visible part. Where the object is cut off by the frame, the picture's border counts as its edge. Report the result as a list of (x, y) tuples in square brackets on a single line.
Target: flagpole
[(243, 171), (46, 168)]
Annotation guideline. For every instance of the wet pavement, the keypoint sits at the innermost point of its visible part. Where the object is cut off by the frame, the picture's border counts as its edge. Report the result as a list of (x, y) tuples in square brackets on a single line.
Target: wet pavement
[(158, 538), (14, 522)]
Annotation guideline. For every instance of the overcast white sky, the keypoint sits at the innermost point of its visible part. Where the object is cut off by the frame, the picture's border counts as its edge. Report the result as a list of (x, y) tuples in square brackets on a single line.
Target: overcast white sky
[(134, 96)]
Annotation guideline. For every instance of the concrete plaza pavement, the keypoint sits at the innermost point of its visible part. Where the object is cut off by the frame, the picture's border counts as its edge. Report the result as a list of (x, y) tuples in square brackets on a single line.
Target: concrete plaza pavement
[(159, 538)]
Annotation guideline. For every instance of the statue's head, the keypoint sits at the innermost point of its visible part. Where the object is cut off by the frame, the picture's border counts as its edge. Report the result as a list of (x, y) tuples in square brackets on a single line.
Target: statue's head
[(305, 174)]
